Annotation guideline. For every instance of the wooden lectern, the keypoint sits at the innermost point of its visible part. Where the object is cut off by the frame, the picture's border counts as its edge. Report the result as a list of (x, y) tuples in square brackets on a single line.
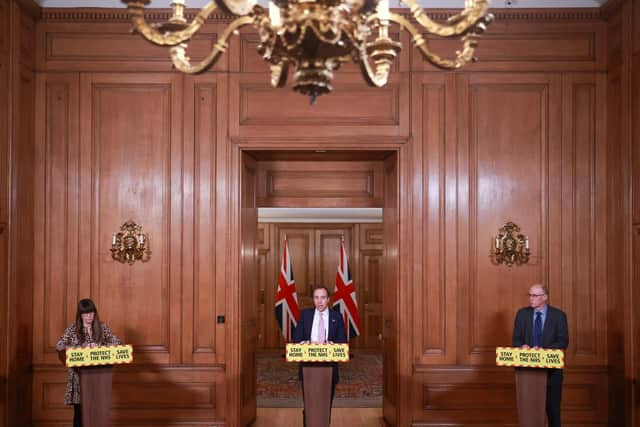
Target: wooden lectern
[(531, 392), (317, 394), (317, 364), (532, 369), (94, 366), (95, 395)]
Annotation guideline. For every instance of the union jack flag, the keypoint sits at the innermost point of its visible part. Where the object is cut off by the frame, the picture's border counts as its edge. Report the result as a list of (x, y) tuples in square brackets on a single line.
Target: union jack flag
[(344, 297), (286, 307)]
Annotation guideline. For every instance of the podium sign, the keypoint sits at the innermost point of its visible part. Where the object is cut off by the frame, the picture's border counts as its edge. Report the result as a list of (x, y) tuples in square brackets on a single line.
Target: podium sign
[(97, 356), (529, 358), (317, 352)]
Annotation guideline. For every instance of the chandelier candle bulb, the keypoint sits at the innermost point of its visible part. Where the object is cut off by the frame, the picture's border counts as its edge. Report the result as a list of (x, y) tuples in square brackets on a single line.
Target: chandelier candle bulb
[(274, 14), (383, 10), (178, 11)]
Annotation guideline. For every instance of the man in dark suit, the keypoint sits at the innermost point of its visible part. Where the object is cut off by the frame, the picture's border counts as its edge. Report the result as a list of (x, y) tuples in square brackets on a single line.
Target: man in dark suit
[(541, 325), (320, 325)]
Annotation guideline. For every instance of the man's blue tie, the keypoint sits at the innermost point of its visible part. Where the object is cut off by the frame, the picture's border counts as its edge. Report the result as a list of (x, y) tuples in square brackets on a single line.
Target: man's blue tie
[(537, 330)]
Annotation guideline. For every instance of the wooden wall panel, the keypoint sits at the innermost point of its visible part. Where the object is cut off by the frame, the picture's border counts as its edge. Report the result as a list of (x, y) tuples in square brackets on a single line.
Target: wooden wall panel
[(203, 337), (327, 241), (17, 84), (16, 205), (635, 122), (5, 207), (177, 395), (635, 327), (353, 110), (133, 172), (636, 28), (56, 201), (434, 339), (528, 46), (584, 215), (619, 232), (450, 395), (319, 184), (507, 182), (634, 365), (369, 285), (100, 40)]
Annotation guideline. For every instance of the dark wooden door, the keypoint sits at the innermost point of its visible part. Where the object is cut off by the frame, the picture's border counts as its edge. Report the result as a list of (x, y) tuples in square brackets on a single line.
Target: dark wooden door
[(390, 282), (248, 290)]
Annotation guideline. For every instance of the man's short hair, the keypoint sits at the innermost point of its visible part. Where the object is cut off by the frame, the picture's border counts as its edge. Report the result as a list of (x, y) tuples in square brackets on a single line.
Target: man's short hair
[(543, 287), (315, 288)]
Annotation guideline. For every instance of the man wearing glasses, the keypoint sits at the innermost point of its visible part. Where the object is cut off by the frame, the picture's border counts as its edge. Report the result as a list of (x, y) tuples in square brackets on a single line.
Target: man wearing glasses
[(541, 325)]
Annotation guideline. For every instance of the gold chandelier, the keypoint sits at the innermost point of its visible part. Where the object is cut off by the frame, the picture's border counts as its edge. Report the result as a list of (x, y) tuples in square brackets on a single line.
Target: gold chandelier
[(316, 36)]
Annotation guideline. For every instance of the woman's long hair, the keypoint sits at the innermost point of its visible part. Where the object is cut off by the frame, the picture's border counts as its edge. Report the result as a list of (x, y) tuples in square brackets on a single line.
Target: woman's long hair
[(88, 306)]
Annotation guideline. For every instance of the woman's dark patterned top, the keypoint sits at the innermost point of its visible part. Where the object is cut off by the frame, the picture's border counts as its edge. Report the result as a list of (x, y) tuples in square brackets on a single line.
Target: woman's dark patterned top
[(70, 338)]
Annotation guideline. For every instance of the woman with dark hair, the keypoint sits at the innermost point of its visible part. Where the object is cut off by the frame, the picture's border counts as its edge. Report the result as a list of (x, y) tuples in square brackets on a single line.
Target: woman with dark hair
[(87, 331)]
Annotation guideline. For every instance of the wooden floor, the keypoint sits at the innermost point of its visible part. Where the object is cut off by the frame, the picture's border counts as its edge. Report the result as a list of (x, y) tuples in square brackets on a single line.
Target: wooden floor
[(340, 417)]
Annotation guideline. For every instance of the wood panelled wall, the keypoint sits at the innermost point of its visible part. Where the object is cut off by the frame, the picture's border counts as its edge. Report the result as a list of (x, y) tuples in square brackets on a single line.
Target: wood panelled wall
[(623, 134), (520, 135), (622, 157), (17, 111), (314, 250)]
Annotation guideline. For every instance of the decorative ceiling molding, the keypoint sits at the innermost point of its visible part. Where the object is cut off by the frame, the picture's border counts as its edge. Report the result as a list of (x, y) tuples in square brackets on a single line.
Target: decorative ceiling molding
[(153, 15), (320, 215)]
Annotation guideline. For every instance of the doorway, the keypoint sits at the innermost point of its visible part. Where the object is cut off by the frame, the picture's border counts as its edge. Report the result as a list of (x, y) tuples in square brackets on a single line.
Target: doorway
[(322, 179)]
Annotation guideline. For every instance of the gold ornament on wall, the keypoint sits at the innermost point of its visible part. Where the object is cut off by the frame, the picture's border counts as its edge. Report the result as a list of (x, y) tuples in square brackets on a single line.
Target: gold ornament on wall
[(130, 244), (315, 37), (511, 247)]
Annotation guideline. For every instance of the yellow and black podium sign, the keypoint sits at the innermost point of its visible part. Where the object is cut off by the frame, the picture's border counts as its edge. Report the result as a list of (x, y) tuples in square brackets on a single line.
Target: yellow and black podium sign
[(97, 356), (317, 352), (530, 357)]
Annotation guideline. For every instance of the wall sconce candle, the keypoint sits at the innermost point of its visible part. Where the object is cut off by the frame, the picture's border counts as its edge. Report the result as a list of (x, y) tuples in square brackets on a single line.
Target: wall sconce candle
[(130, 244), (511, 247)]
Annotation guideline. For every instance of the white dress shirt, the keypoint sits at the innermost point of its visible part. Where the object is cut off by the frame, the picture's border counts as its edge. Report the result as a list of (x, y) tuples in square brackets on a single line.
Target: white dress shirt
[(314, 328)]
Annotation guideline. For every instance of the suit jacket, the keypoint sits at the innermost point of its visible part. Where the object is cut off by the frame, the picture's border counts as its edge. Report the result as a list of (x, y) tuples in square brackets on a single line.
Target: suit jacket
[(337, 333), (555, 332)]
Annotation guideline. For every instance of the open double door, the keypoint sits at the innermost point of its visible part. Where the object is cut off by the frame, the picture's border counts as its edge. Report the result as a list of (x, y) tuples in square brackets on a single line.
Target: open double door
[(248, 297)]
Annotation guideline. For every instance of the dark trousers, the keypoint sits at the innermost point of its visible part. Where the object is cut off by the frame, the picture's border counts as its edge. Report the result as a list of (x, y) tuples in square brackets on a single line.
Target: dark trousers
[(77, 415), (554, 396)]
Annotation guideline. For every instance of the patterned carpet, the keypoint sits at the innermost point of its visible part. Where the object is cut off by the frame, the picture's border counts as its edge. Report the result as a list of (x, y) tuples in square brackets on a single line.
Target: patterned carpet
[(360, 382)]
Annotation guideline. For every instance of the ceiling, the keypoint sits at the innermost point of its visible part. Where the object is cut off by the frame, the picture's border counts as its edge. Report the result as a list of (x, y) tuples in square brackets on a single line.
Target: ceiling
[(436, 4)]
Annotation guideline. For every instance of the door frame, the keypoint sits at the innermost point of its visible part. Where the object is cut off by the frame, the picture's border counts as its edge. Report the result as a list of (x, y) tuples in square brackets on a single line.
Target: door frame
[(401, 327)]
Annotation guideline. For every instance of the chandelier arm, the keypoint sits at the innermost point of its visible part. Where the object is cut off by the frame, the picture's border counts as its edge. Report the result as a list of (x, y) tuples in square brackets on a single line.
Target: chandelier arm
[(377, 78), (383, 52), (463, 56), (182, 62), (472, 18), (169, 38)]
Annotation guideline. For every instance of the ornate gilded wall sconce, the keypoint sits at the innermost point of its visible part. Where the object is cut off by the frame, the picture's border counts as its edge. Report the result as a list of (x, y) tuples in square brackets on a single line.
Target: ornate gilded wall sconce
[(511, 247), (130, 244)]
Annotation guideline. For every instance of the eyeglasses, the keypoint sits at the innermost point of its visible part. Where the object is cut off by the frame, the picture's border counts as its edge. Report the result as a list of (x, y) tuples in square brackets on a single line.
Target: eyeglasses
[(536, 295)]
